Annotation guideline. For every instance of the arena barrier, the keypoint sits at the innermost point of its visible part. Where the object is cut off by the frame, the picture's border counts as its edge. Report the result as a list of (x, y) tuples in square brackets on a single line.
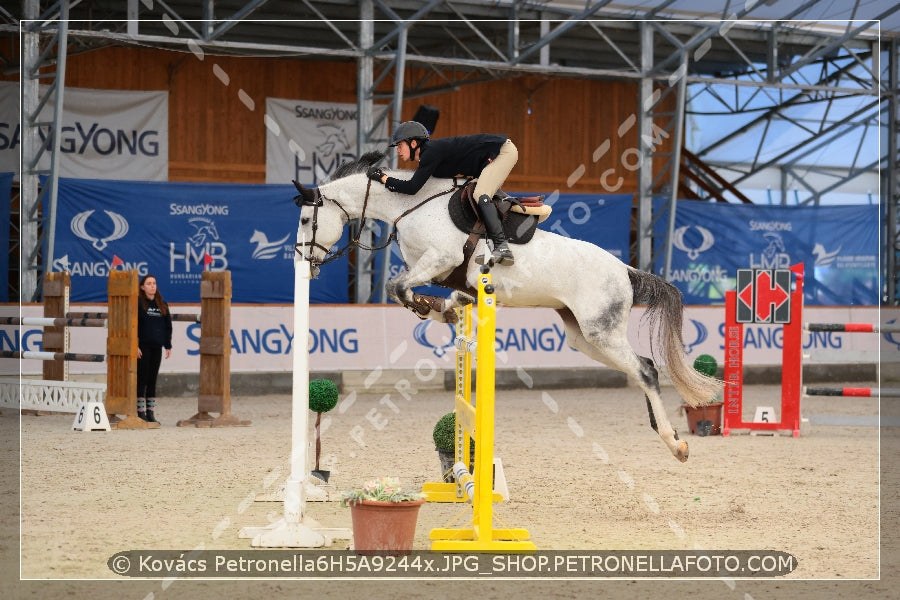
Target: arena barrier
[(792, 365), (475, 421), (53, 393)]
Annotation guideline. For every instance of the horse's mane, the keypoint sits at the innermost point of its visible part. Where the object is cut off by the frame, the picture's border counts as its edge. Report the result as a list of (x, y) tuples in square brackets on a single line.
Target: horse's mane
[(360, 165)]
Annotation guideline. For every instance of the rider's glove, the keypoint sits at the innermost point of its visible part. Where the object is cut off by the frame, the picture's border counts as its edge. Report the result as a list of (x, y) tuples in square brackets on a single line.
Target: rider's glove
[(375, 174)]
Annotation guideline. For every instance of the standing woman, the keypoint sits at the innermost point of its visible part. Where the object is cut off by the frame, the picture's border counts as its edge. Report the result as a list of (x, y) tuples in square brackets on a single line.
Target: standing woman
[(154, 334)]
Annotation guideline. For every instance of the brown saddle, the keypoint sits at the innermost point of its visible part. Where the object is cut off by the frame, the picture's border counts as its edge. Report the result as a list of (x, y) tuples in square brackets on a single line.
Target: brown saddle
[(520, 218)]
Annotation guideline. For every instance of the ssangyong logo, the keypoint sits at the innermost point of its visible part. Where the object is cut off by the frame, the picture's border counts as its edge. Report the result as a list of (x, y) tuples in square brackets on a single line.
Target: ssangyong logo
[(80, 222), (420, 334), (706, 241), (700, 335)]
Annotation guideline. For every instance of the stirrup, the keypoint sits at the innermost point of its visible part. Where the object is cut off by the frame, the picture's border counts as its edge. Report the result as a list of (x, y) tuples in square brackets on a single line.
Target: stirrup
[(502, 255)]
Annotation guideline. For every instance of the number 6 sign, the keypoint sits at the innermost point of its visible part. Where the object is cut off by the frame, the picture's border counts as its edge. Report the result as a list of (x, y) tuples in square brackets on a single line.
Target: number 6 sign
[(91, 416)]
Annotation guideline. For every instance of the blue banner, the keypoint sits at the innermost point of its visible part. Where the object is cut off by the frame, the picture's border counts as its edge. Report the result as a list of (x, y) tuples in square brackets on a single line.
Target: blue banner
[(6, 180), (838, 246), (177, 230)]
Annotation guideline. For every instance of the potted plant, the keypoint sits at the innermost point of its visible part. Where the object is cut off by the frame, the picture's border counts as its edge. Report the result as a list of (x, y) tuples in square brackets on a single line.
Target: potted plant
[(323, 396), (444, 436), (707, 419), (384, 516)]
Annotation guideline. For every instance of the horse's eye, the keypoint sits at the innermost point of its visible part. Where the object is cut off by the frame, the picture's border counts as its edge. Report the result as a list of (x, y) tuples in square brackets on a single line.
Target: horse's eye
[(304, 221)]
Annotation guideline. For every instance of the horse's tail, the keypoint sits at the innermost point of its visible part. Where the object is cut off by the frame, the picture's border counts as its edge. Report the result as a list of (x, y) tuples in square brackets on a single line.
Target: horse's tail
[(664, 313)]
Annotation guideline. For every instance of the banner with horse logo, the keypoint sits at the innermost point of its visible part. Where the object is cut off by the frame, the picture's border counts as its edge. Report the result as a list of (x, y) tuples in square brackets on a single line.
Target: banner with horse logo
[(176, 231), (838, 246), (106, 134), (306, 141)]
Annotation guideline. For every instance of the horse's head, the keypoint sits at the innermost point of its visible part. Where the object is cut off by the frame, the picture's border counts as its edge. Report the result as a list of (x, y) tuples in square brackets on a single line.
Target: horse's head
[(324, 210), (321, 225)]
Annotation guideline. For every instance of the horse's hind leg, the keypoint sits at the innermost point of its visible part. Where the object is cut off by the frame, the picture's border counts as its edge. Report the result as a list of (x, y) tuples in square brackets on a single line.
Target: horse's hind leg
[(611, 347)]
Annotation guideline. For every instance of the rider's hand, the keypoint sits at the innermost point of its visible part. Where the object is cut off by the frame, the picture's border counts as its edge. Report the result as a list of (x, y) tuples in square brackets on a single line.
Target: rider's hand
[(375, 174)]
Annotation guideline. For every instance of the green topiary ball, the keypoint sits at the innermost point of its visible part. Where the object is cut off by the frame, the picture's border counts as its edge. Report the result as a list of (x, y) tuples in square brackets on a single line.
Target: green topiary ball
[(706, 364), (323, 395), (444, 433)]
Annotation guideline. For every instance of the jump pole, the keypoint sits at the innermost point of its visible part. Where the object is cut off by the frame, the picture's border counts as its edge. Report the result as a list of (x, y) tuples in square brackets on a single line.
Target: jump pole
[(295, 529), (856, 392), (481, 535)]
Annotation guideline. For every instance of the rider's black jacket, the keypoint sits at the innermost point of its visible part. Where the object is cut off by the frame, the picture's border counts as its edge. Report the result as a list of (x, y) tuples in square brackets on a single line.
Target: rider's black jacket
[(448, 157)]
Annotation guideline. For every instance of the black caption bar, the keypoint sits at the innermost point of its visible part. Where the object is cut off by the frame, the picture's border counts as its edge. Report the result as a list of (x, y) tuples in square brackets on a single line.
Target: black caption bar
[(305, 563)]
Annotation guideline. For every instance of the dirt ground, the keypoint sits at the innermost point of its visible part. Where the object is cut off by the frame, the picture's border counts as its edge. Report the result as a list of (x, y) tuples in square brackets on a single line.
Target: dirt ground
[(584, 472)]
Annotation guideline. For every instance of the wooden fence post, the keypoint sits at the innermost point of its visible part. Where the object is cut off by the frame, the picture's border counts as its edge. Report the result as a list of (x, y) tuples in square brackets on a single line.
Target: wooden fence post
[(215, 354), (121, 352), (56, 304)]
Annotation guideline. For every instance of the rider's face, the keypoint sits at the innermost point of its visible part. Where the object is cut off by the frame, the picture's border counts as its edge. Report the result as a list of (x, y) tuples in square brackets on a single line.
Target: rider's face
[(404, 151)]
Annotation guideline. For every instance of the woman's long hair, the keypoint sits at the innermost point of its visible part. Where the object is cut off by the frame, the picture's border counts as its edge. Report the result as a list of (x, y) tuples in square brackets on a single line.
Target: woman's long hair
[(145, 301)]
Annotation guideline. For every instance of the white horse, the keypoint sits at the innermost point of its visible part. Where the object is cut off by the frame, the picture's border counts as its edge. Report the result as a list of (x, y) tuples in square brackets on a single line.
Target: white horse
[(588, 287)]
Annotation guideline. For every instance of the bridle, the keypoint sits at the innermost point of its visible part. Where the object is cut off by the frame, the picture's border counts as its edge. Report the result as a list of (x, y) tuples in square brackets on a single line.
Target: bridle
[(319, 200)]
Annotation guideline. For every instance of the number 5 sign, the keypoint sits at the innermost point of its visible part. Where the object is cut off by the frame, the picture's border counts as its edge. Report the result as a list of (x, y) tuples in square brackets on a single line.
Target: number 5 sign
[(91, 416)]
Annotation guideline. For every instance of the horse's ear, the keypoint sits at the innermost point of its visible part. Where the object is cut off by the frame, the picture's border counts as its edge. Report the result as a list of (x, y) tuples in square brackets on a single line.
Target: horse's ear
[(306, 196)]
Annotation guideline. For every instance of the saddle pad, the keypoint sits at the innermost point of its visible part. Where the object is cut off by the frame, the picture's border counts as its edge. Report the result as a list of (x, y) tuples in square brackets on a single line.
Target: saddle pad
[(541, 212)]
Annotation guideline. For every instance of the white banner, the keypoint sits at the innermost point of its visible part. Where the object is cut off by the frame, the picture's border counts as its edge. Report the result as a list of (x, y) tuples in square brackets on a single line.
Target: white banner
[(348, 337), (306, 141), (106, 134)]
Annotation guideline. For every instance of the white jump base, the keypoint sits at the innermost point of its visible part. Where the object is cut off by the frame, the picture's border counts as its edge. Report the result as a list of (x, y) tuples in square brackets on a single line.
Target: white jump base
[(57, 396)]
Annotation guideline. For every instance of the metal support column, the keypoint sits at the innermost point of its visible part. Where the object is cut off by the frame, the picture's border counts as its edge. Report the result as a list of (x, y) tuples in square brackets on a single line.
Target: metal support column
[(361, 284), (891, 194), (680, 80), (644, 228), (369, 281), (38, 206)]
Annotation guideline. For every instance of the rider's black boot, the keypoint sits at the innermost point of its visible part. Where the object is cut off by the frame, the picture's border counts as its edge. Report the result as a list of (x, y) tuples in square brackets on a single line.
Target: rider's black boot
[(501, 254)]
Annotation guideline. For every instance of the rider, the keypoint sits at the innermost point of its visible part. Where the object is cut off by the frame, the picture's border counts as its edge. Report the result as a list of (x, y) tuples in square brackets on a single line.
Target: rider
[(488, 157)]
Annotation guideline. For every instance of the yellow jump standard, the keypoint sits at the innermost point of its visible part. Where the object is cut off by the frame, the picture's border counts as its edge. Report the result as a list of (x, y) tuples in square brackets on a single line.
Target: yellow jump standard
[(476, 422)]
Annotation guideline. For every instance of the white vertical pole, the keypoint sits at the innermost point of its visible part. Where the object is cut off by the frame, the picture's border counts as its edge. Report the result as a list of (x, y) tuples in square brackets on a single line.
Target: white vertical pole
[(291, 531), (293, 490)]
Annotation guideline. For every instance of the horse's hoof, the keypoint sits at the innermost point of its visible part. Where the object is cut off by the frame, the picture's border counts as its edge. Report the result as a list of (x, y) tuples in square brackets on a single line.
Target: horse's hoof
[(464, 299), (450, 316), (682, 452)]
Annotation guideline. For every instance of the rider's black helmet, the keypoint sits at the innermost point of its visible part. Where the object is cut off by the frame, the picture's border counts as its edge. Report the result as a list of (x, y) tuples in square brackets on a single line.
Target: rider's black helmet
[(410, 130)]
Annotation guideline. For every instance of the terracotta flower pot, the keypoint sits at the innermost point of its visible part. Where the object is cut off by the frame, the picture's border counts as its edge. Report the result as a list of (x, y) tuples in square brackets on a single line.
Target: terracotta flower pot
[(704, 420), (384, 527)]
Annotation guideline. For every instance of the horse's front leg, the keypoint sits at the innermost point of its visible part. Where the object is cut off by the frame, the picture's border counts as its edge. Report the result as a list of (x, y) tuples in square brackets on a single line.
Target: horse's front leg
[(400, 290)]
